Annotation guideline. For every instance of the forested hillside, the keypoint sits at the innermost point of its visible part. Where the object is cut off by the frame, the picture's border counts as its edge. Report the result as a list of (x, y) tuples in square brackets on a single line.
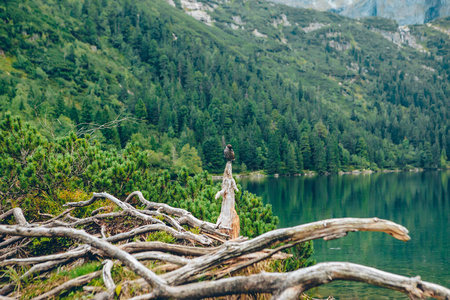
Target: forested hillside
[(290, 89)]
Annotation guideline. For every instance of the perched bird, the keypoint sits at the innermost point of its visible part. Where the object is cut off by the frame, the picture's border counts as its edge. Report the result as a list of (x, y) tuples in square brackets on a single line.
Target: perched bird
[(228, 153)]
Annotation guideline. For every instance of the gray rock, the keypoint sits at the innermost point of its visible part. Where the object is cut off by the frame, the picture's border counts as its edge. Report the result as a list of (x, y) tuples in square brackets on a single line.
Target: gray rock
[(405, 12)]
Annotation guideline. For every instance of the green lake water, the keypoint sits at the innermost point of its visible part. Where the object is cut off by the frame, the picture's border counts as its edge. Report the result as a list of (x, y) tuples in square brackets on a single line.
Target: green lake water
[(419, 201)]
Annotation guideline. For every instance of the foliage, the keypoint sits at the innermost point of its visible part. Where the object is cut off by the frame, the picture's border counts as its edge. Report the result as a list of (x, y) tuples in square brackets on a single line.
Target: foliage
[(68, 63), (301, 254), (80, 165)]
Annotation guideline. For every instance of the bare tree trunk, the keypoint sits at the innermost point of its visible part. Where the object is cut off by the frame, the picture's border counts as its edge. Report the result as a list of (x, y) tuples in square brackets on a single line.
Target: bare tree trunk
[(228, 219)]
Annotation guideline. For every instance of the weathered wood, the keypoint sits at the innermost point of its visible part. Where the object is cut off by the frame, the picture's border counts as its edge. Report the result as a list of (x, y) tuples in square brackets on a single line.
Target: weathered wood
[(18, 215), (184, 216), (42, 267), (186, 235), (72, 254), (164, 247), (124, 206), (323, 229), (100, 244), (68, 285), (268, 254), (304, 279), (109, 282), (128, 209), (156, 255), (61, 215), (228, 217)]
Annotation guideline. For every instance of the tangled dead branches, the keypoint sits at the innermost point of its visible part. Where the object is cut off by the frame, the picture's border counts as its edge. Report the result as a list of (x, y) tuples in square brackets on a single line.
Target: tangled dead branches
[(202, 251)]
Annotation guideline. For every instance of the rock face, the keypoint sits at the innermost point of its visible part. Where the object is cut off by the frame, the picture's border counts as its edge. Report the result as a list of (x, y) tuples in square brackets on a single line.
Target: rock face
[(405, 12), (196, 9)]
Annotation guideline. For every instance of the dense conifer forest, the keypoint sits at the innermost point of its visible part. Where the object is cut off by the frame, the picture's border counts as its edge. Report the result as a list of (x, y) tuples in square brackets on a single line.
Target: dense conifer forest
[(339, 97)]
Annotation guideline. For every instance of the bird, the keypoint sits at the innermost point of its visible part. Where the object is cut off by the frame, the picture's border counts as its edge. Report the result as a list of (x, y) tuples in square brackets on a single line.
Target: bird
[(228, 153)]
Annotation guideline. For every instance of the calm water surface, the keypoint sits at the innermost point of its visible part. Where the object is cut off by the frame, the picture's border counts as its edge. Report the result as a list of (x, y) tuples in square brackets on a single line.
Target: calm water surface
[(418, 201)]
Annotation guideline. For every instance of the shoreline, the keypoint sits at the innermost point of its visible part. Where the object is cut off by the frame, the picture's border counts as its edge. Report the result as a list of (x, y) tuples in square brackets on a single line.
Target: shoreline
[(313, 173)]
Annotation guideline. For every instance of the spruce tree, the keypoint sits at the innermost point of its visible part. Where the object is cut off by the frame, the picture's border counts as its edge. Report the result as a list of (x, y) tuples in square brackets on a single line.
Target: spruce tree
[(140, 110), (305, 151), (291, 161), (273, 162)]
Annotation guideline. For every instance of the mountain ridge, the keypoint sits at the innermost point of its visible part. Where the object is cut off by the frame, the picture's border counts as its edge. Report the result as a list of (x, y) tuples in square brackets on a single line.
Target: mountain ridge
[(407, 12)]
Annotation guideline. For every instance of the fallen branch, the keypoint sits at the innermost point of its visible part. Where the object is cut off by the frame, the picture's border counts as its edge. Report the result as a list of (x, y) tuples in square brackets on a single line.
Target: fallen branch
[(18, 215), (160, 227), (156, 255), (102, 245), (185, 217), (143, 215), (109, 282), (69, 285), (164, 247), (49, 265), (75, 253), (304, 279), (327, 229)]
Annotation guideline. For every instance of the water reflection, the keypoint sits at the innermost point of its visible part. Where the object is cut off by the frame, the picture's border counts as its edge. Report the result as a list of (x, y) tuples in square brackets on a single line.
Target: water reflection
[(418, 201)]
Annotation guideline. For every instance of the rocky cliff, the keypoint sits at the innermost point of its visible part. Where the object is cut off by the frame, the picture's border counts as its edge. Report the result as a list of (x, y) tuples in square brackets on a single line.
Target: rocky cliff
[(404, 12)]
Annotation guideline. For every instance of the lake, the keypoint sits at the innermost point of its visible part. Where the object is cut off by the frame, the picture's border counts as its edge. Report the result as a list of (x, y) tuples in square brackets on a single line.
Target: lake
[(420, 201)]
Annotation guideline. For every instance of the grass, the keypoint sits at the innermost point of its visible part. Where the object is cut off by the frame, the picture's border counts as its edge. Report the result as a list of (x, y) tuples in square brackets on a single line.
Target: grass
[(82, 270), (160, 236), (6, 64)]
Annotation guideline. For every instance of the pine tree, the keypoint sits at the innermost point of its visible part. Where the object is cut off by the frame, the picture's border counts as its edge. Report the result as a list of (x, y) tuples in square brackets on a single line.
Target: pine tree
[(213, 160), (140, 110), (332, 153), (291, 161), (273, 162), (361, 148), (73, 114), (86, 112), (426, 155), (60, 106), (305, 151), (299, 159), (318, 154)]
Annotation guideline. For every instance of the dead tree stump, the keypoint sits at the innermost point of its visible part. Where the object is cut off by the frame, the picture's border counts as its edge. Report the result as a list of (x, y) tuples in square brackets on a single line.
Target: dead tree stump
[(228, 221)]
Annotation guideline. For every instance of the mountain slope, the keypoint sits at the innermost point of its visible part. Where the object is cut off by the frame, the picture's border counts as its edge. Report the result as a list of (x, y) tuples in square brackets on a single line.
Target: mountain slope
[(290, 89)]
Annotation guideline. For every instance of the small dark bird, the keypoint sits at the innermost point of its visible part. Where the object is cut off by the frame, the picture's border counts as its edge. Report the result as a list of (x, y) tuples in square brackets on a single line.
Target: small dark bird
[(228, 153)]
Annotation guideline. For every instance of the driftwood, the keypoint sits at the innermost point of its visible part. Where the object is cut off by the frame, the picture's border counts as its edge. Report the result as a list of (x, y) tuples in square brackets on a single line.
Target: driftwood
[(208, 256)]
